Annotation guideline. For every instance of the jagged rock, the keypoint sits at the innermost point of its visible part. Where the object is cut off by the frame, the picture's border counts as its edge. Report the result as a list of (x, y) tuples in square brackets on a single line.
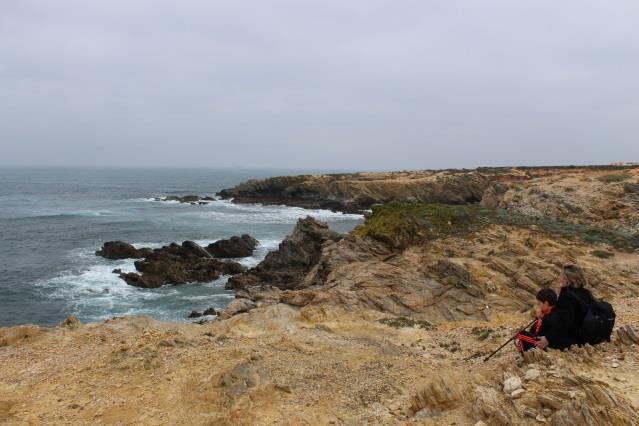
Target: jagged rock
[(193, 248), (234, 247), (531, 374), (71, 322), (511, 384), (206, 312), (550, 401), (286, 267), (115, 250), (440, 394), (517, 393), (237, 306), (209, 311), (490, 198), (626, 334), (178, 264)]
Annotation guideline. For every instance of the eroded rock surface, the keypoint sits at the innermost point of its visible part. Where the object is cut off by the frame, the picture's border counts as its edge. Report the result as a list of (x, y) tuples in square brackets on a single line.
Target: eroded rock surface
[(356, 192), (178, 264), (115, 250), (234, 247), (287, 266)]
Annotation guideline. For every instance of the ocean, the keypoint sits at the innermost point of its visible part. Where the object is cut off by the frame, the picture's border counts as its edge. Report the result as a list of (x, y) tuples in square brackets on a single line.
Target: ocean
[(52, 220)]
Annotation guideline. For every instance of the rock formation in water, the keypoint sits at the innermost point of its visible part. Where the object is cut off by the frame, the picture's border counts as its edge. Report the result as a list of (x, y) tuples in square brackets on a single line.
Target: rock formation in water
[(285, 267), (234, 247), (178, 264), (115, 250), (187, 199)]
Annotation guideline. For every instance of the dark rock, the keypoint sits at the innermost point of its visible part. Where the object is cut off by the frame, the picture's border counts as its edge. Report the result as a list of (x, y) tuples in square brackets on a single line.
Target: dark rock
[(118, 250), (187, 199), (195, 249), (209, 311), (190, 199), (178, 264), (286, 267), (234, 247)]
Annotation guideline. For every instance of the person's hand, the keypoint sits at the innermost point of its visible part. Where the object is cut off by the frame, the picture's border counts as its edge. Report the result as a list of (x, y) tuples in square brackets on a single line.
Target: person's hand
[(538, 313), (542, 343)]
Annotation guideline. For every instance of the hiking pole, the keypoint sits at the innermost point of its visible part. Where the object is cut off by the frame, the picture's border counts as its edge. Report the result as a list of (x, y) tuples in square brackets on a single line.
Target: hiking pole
[(508, 341)]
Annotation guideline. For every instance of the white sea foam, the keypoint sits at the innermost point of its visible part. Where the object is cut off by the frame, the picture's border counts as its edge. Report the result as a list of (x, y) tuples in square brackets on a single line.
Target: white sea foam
[(257, 213), (96, 293), (90, 290)]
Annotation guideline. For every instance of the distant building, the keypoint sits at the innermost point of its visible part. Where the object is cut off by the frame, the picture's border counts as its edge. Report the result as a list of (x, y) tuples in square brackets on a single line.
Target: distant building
[(624, 163)]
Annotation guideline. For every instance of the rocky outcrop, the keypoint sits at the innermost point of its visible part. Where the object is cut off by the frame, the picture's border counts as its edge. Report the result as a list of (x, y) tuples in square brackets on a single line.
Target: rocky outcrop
[(606, 199), (432, 262), (186, 199), (356, 192), (115, 250), (234, 247), (206, 312), (287, 266), (237, 306), (178, 264)]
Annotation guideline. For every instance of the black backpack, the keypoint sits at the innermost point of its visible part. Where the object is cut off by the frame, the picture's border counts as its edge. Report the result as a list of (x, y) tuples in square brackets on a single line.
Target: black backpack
[(598, 322)]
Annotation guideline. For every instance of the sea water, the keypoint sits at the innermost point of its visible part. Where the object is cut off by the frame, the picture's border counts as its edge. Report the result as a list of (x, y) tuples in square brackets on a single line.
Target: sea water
[(53, 220)]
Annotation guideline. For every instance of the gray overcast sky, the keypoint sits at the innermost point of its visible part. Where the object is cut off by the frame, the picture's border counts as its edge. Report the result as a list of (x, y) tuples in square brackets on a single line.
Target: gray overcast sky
[(361, 84)]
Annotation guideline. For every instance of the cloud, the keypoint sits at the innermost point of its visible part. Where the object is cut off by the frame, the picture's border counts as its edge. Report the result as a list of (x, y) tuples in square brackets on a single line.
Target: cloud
[(319, 84)]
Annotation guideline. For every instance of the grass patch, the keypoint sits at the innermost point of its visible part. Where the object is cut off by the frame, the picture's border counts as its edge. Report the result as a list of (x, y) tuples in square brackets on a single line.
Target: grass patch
[(613, 178), (602, 254), (403, 322), (482, 333), (452, 346), (401, 225)]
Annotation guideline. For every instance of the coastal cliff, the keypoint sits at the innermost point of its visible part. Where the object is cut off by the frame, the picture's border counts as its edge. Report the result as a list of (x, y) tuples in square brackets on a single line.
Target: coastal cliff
[(356, 192), (387, 324)]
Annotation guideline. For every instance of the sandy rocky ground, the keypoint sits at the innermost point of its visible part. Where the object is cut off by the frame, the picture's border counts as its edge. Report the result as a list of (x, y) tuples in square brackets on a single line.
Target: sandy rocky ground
[(364, 332)]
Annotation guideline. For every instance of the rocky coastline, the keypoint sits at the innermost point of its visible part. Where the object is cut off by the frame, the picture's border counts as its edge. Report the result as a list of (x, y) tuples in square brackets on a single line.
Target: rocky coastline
[(387, 324)]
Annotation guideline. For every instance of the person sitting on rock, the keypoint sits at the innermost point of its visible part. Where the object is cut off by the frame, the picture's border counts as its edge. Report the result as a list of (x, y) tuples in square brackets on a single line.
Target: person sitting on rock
[(571, 310), (546, 324)]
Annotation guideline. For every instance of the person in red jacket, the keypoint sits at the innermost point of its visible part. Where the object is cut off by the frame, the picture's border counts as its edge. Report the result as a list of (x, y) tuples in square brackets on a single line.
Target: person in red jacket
[(546, 324)]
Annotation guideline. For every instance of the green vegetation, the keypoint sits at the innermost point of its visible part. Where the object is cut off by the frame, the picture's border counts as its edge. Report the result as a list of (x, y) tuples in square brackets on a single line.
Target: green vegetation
[(481, 332), (452, 346), (602, 254), (403, 322), (401, 225), (619, 177)]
